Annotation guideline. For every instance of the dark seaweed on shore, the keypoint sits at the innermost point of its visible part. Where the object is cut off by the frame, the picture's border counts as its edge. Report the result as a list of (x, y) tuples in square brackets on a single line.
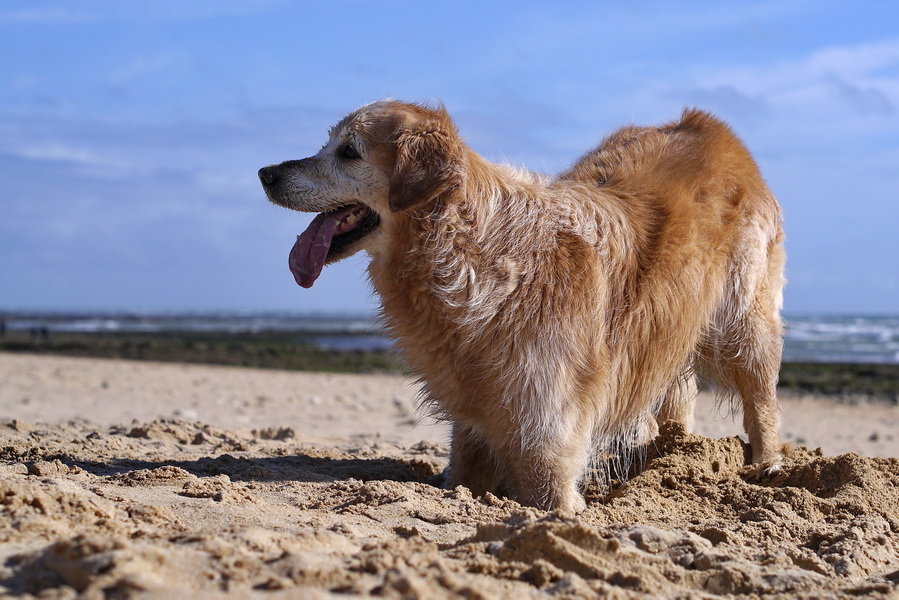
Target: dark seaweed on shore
[(286, 350), (848, 381), (268, 350)]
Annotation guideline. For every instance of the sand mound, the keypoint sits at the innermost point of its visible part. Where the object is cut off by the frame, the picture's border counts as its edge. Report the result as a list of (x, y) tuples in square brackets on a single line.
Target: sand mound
[(151, 507)]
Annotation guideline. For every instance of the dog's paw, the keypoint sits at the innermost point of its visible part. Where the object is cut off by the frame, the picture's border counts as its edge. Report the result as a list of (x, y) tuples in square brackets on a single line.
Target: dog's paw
[(440, 480), (768, 469), (571, 505), (578, 504)]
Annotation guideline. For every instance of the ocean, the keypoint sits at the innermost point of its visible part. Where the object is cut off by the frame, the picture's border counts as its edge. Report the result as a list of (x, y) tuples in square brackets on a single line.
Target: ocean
[(809, 338)]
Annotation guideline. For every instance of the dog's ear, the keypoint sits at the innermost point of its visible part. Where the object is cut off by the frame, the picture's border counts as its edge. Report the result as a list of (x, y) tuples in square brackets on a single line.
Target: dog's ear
[(429, 163)]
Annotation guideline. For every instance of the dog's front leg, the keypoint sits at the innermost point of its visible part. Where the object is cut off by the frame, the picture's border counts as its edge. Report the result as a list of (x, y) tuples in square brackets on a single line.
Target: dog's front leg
[(548, 478), (544, 471), (472, 462), (544, 474)]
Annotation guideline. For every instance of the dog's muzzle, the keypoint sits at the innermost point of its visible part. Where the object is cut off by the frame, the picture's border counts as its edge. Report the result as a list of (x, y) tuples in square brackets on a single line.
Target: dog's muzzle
[(269, 175)]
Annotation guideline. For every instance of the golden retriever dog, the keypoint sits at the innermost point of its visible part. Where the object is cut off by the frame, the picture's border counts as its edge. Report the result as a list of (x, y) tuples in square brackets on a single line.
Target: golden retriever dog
[(553, 318)]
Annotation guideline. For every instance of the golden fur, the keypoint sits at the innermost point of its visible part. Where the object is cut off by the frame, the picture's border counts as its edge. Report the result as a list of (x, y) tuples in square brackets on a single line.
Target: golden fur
[(553, 318)]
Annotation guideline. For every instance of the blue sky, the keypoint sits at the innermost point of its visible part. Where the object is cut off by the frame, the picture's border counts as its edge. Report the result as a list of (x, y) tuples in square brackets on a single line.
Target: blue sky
[(131, 133)]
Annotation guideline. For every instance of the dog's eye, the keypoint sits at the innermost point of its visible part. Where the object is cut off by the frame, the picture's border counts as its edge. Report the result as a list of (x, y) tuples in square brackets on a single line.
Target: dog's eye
[(348, 151)]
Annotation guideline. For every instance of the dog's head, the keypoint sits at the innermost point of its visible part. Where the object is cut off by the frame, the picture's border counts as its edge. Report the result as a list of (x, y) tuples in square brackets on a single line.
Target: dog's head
[(383, 159)]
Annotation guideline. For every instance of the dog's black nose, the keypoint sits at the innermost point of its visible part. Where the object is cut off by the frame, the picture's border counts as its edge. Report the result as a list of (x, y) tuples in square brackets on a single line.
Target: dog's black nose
[(268, 175)]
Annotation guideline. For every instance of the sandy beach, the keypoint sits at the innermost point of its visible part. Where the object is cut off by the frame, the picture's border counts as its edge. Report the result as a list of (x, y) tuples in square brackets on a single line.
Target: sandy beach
[(152, 480)]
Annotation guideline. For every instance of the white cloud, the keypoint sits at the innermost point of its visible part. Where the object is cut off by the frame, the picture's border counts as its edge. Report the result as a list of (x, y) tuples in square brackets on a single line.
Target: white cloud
[(152, 66), (862, 99), (105, 10), (859, 61), (48, 14), (864, 78), (55, 151)]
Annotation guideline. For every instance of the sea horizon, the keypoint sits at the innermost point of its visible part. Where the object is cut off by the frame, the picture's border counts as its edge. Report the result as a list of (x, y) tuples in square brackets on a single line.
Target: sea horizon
[(809, 337)]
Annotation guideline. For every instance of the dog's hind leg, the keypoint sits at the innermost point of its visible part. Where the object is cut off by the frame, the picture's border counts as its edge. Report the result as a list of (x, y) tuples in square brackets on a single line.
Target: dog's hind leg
[(679, 401), (748, 365), (755, 379), (678, 404), (746, 356)]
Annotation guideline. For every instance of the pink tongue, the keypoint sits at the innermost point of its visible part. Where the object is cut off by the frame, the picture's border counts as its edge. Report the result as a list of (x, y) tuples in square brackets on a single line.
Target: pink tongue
[(308, 255)]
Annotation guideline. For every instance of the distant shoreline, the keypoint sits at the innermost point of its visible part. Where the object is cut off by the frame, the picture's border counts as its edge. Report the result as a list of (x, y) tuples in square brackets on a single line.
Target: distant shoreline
[(266, 350), (809, 338), (289, 350)]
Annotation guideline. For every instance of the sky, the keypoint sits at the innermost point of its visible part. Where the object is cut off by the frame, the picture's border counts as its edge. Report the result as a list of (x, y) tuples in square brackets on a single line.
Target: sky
[(131, 132)]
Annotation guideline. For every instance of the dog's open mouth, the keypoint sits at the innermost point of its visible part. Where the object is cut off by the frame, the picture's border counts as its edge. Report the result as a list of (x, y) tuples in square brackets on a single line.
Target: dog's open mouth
[(328, 235)]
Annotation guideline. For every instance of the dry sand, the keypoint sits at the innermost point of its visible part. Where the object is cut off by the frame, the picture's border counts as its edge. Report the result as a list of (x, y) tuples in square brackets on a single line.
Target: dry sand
[(128, 479)]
